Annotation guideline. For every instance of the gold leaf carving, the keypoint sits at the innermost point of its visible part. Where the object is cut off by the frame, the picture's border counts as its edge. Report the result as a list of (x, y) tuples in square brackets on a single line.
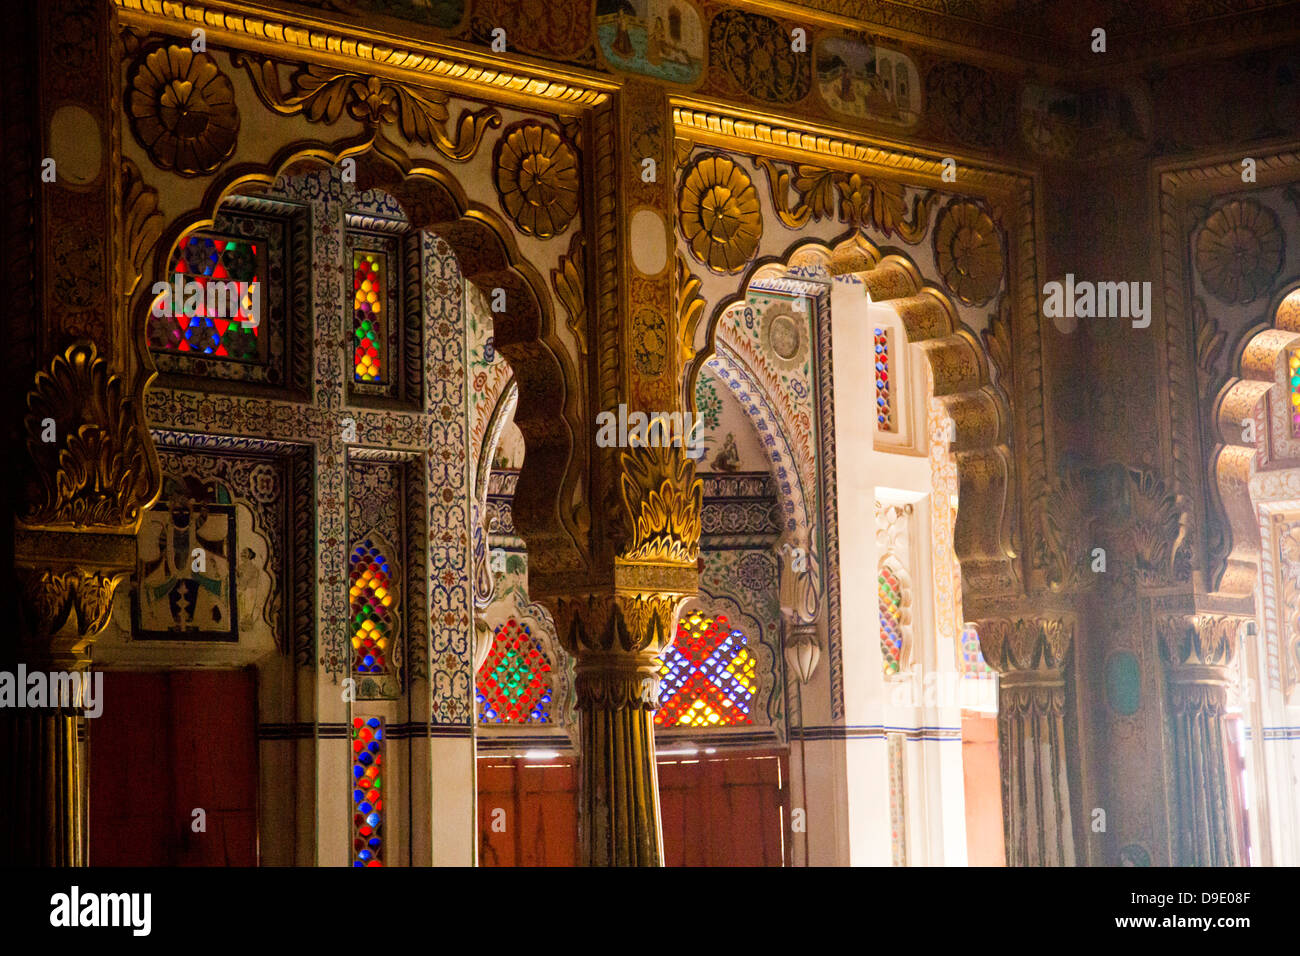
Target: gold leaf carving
[(863, 202), (690, 306), (182, 110), (569, 281), (322, 94), (142, 224), (97, 470), (719, 213), (52, 598), (664, 501)]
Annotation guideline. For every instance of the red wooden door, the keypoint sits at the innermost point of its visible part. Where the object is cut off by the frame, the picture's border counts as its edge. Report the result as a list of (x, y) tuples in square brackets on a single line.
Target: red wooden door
[(165, 745), (527, 812), (724, 810)]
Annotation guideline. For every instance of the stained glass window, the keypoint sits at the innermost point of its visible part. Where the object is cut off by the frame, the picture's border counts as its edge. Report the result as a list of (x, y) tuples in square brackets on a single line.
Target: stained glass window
[(369, 285), (1293, 369), (708, 677), (891, 619), (204, 312), (367, 791), (884, 404), (371, 595), (972, 663), (513, 686)]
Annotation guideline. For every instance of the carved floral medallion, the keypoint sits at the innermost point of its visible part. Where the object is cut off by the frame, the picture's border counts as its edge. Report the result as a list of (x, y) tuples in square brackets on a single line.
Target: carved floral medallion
[(537, 179), (1239, 251), (182, 109), (719, 213), (968, 251)]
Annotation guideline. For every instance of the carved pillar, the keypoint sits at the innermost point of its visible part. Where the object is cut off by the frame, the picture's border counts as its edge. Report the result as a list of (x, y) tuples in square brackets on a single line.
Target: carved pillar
[(1197, 650), (616, 633), (1031, 656)]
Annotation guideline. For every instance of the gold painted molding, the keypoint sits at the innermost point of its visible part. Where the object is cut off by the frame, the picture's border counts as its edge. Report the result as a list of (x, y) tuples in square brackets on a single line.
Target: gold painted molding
[(282, 34)]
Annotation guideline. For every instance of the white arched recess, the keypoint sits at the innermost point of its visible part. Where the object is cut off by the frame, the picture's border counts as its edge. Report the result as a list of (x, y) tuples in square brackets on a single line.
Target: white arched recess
[(876, 762), (902, 748)]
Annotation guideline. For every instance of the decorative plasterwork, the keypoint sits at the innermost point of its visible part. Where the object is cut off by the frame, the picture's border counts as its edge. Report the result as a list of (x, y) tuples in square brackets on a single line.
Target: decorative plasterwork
[(1008, 197)]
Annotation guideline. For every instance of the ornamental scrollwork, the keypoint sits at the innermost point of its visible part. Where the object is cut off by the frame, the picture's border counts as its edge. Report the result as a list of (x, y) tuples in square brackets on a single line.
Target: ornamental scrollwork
[(690, 306), (182, 110), (569, 281), (93, 463), (322, 94), (862, 202), (664, 501)]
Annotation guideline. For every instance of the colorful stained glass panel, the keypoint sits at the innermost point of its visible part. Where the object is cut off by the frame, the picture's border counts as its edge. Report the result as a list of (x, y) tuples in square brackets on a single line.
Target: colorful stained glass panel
[(367, 791), (884, 403), (891, 619), (972, 663), (369, 285), (513, 683), (371, 596), (708, 678)]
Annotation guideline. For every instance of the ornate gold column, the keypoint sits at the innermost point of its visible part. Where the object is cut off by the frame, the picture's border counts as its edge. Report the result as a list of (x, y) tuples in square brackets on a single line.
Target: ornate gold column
[(1032, 656), (616, 634), (1197, 650), (87, 462)]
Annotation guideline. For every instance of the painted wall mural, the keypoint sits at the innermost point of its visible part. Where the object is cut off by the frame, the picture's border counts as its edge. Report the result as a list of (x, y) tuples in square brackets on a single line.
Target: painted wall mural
[(186, 565), (659, 38)]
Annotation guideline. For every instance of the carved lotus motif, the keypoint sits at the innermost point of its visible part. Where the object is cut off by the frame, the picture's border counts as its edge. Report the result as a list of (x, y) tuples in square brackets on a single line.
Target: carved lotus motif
[(182, 110), (719, 213), (968, 251), (537, 179), (1239, 251)]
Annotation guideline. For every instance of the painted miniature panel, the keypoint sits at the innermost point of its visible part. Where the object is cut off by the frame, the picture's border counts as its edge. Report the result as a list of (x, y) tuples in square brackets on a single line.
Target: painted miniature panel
[(660, 38), (868, 82)]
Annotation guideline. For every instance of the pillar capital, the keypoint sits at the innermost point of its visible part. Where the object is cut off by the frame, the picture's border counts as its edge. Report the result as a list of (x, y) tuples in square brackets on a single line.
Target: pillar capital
[(1027, 646), (1199, 647)]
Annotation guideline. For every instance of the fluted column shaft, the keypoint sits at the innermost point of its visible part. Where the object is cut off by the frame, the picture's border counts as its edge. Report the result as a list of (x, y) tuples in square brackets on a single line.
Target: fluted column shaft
[(1032, 658), (1197, 652), (618, 815)]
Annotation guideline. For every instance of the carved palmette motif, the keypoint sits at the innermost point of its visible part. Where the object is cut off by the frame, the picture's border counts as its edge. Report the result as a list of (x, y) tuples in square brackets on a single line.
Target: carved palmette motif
[(1062, 539), (1025, 644), (53, 598), (1206, 640), (94, 462), (664, 502)]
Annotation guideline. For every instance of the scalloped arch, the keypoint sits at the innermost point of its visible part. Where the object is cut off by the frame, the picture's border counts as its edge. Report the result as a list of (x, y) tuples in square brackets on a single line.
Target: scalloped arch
[(1233, 462), (959, 365), (549, 414)]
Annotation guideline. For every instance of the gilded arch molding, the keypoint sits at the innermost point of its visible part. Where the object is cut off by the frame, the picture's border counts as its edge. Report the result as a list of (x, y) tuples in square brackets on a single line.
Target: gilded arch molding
[(868, 181), (960, 368), (1205, 457), (1245, 397)]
